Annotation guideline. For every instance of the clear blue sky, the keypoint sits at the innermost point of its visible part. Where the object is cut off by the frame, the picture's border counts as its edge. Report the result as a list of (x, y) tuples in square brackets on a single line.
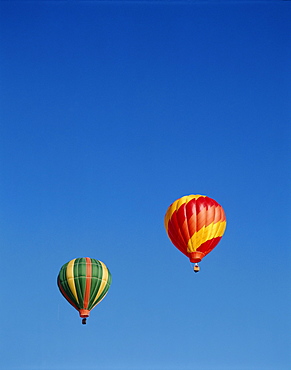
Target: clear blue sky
[(109, 111)]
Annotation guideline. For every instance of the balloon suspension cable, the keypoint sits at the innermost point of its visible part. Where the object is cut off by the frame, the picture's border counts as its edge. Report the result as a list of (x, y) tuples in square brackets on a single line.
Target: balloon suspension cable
[(196, 268), (84, 321)]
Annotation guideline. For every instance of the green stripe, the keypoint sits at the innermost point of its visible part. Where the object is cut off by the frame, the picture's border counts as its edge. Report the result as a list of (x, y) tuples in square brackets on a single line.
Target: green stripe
[(80, 279)]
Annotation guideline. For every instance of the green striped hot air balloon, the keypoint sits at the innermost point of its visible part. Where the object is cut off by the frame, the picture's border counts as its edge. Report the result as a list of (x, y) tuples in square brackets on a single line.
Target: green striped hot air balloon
[(84, 282)]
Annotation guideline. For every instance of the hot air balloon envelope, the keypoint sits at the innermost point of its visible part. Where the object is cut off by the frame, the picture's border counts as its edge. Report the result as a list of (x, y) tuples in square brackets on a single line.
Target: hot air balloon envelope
[(195, 225), (84, 282)]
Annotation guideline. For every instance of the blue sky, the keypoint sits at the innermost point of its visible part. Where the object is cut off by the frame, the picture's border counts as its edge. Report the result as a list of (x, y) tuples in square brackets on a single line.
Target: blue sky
[(109, 111)]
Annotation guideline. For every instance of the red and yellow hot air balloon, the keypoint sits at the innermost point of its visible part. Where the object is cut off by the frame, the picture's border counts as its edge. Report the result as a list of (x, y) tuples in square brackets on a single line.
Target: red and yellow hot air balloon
[(195, 225), (84, 282)]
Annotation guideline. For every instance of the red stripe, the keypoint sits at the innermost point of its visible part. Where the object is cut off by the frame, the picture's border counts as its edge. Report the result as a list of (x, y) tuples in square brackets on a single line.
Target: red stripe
[(88, 282)]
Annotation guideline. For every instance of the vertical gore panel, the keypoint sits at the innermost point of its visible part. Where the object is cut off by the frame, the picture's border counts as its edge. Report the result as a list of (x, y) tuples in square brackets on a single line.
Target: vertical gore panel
[(64, 286), (88, 282), (96, 280), (72, 302), (80, 279), (105, 280), (70, 277)]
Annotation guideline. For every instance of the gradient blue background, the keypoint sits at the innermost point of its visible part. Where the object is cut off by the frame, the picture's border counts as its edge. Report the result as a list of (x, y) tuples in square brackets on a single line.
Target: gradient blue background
[(109, 112)]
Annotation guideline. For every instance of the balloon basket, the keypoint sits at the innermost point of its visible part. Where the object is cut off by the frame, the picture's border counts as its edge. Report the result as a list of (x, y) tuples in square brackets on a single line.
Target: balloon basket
[(196, 268)]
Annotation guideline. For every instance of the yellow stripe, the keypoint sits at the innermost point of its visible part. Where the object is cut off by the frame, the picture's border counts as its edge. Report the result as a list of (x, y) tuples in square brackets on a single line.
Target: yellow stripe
[(103, 282), (206, 233), (71, 279), (177, 204)]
